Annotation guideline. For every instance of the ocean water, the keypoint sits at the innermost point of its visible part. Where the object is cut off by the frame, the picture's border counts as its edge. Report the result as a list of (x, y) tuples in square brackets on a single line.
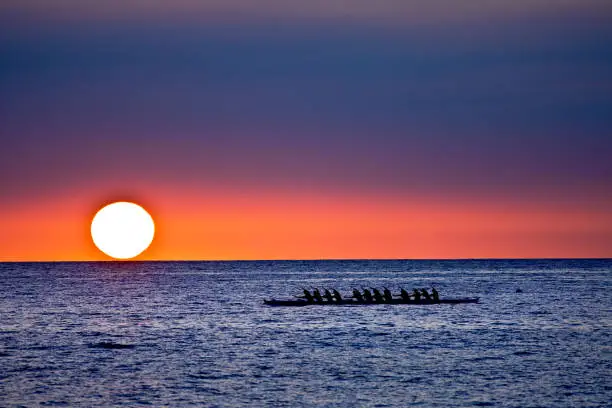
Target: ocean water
[(198, 334)]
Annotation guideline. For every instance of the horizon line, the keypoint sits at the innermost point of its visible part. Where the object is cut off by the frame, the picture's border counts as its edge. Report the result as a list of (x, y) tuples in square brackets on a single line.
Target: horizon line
[(311, 260)]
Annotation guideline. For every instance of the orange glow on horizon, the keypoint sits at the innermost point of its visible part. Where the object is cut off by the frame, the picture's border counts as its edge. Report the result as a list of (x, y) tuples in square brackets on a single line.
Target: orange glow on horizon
[(271, 226)]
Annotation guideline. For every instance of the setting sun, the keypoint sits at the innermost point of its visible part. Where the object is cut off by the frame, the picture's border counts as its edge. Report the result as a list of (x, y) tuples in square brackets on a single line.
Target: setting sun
[(122, 230)]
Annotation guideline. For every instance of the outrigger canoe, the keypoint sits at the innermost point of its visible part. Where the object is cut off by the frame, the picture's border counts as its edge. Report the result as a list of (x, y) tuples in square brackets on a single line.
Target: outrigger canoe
[(343, 302)]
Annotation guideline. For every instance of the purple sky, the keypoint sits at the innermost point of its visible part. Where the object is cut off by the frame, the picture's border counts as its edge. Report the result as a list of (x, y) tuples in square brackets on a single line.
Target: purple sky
[(445, 99)]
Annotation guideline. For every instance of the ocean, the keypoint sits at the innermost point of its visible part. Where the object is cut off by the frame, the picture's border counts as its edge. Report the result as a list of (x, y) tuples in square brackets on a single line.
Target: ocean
[(198, 334)]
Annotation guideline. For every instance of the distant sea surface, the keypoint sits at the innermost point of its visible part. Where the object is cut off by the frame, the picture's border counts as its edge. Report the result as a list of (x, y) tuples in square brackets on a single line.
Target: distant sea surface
[(198, 334)]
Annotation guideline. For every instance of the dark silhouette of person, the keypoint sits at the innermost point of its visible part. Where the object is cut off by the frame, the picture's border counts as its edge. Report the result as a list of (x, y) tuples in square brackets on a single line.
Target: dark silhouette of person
[(417, 294), (308, 296), (337, 296), (357, 295), (435, 295), (387, 295), (405, 295), (425, 294), (367, 295), (378, 296), (328, 296), (317, 295)]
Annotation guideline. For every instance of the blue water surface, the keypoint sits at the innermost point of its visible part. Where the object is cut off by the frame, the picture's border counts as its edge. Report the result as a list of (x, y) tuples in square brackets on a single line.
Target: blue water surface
[(198, 334)]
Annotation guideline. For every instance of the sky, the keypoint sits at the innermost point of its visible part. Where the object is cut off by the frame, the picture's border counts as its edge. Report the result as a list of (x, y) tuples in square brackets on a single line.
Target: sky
[(309, 130)]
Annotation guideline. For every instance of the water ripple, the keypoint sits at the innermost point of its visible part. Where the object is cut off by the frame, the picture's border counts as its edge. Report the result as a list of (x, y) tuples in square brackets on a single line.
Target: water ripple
[(197, 334)]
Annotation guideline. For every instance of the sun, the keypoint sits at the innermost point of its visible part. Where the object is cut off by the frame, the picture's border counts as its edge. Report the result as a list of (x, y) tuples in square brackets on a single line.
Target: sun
[(122, 230)]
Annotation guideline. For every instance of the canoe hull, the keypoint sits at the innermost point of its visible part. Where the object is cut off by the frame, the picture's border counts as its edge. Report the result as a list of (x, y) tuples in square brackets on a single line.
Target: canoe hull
[(348, 302)]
